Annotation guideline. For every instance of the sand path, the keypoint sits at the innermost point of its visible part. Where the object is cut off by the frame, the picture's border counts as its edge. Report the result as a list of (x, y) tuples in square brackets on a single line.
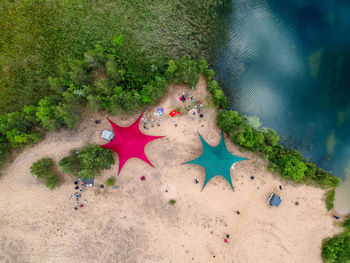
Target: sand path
[(136, 223)]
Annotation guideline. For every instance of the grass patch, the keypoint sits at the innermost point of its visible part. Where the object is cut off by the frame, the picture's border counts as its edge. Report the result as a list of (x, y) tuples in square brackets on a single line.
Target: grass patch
[(330, 199)]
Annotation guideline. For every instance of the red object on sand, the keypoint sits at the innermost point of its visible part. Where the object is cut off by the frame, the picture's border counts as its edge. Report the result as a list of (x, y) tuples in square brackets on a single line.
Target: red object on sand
[(225, 240), (129, 142), (143, 178), (174, 112), (81, 205)]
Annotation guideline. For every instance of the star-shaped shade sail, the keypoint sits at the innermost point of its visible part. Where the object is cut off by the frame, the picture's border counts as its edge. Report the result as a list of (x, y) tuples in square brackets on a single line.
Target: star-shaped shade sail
[(129, 142), (216, 161)]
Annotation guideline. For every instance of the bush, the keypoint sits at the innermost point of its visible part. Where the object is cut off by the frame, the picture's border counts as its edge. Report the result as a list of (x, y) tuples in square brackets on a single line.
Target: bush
[(293, 168), (88, 162), (51, 181), (44, 169), (183, 71), (172, 202), (219, 97), (347, 223), (204, 69), (336, 249), (70, 164), (110, 181), (93, 159), (5, 148), (330, 199)]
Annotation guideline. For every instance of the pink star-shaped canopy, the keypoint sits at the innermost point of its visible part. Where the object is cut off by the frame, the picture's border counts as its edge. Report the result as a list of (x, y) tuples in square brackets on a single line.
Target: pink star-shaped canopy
[(129, 142)]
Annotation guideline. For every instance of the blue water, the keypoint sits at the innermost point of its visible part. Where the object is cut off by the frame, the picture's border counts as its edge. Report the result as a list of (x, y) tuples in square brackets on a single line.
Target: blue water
[(288, 63)]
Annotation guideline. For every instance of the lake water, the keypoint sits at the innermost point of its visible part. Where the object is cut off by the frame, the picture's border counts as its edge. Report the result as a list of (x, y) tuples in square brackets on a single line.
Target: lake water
[(288, 63)]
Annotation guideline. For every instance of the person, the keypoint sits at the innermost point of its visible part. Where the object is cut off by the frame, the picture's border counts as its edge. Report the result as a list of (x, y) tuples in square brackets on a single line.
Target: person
[(280, 187), (225, 240), (252, 177), (75, 208), (227, 236), (102, 186), (196, 181), (238, 213), (336, 217), (76, 182)]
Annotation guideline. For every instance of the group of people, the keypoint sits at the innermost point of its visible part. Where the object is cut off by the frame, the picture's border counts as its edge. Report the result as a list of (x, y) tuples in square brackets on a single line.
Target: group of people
[(77, 195)]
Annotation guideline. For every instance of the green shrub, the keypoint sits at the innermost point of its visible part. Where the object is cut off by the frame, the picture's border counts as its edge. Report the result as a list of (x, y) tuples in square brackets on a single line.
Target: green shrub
[(51, 180), (93, 159), (70, 164), (330, 199), (204, 69), (172, 202), (183, 71), (293, 167), (110, 181), (88, 162), (42, 167), (336, 249), (5, 148)]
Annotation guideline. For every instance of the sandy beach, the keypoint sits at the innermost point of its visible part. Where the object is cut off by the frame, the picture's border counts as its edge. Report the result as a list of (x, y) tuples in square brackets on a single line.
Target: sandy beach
[(136, 223)]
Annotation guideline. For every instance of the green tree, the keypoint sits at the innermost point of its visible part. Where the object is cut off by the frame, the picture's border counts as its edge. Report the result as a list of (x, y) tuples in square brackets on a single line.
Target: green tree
[(337, 249), (42, 167), (93, 159), (229, 120), (30, 113), (249, 138), (259, 138), (88, 162), (46, 114), (183, 71), (14, 121), (204, 69), (293, 168), (271, 137), (51, 181), (70, 164), (69, 110)]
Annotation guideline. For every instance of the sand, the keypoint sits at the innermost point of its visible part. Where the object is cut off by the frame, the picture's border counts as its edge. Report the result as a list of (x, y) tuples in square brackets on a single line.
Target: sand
[(136, 223)]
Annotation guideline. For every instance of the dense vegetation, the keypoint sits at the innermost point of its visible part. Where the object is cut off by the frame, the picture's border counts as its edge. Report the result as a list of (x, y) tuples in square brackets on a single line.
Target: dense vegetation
[(44, 169), (88, 162), (289, 163), (337, 248), (38, 38)]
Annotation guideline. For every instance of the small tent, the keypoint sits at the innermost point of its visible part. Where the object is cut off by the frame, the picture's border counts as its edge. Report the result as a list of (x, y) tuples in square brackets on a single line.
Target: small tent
[(274, 200), (107, 135)]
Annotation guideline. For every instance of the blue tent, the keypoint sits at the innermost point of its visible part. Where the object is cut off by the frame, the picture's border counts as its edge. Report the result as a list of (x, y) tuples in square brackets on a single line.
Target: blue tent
[(275, 200)]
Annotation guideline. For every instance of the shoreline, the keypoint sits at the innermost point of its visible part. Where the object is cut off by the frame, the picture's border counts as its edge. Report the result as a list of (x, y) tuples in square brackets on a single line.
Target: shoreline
[(145, 227)]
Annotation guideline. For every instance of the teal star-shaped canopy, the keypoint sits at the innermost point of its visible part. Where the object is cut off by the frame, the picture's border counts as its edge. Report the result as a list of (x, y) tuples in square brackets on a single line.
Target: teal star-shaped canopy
[(216, 161)]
